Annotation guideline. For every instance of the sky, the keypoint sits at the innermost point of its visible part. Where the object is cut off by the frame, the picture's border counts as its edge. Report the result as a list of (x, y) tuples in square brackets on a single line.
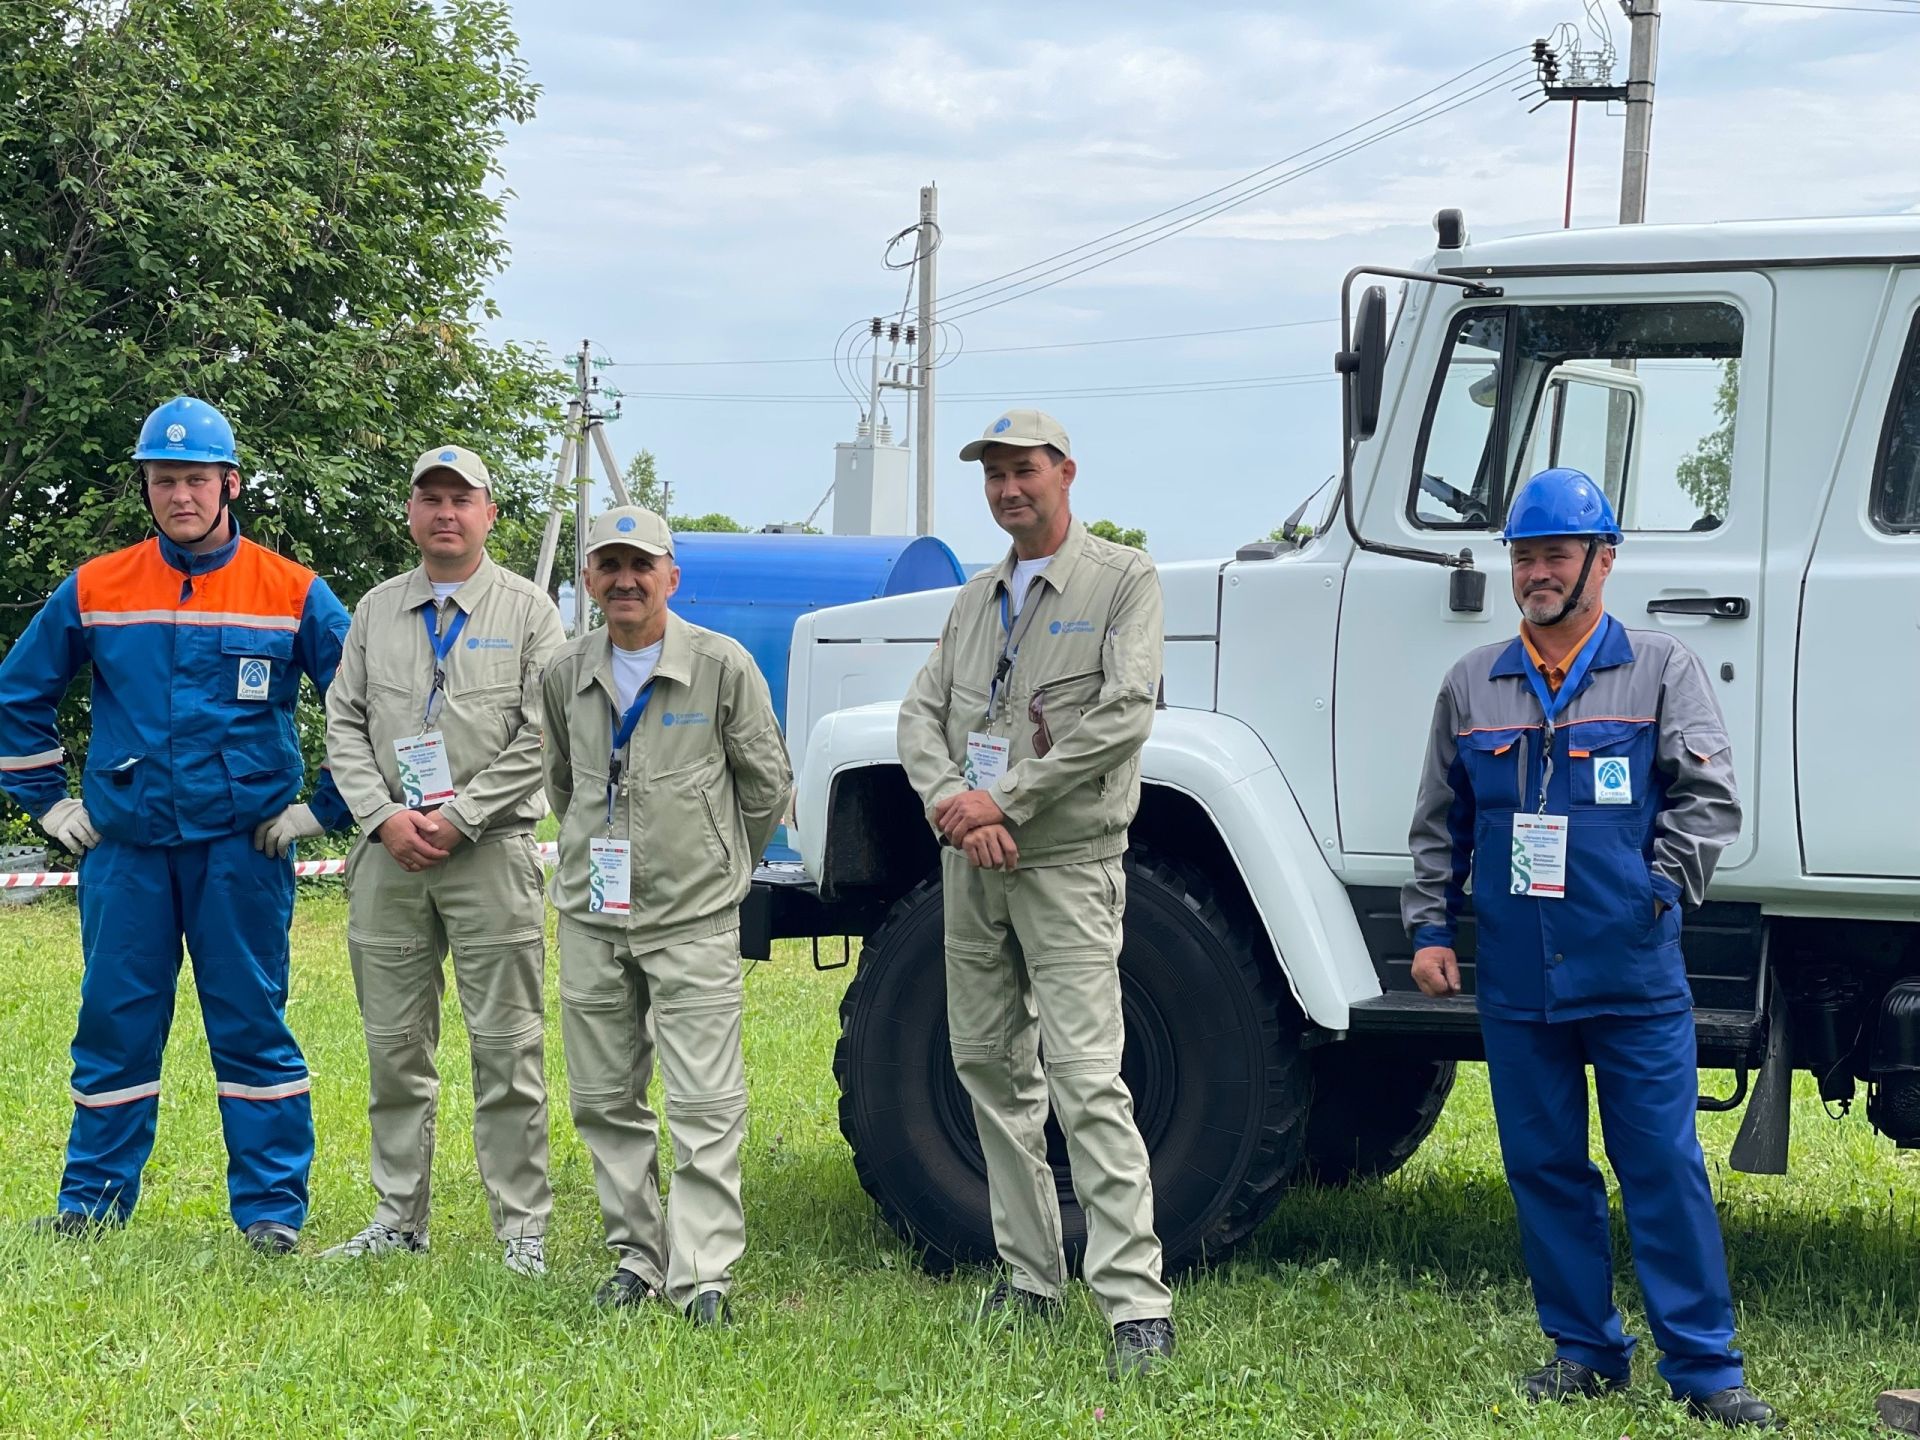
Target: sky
[(718, 183)]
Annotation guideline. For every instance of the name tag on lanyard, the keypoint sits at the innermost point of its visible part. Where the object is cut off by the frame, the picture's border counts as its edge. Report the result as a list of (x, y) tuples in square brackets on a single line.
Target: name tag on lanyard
[(987, 754), (1539, 852), (610, 860), (426, 775)]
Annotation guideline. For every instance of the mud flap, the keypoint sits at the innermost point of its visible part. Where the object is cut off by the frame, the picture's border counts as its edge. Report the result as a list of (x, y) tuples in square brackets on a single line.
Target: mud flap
[(1761, 1146)]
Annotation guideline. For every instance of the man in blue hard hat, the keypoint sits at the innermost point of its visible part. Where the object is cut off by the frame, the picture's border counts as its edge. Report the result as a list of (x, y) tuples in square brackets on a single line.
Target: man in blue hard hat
[(188, 809), (1580, 775)]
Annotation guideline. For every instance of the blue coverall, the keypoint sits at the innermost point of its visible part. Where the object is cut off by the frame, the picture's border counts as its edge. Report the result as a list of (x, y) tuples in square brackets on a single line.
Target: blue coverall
[(1642, 772), (196, 662)]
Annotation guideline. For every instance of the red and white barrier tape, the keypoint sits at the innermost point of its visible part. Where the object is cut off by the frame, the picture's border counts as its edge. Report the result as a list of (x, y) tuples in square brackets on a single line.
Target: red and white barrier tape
[(55, 879)]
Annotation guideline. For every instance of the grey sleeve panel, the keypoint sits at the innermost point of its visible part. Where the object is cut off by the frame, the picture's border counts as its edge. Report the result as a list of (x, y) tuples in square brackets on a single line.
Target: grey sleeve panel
[(1701, 816), (1442, 817)]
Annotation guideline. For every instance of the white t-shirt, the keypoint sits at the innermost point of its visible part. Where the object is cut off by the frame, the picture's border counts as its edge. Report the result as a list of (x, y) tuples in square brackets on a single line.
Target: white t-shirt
[(1025, 572), (632, 669), (443, 589)]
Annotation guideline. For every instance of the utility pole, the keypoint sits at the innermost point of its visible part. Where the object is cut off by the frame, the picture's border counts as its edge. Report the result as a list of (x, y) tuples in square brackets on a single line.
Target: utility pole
[(582, 484), (1644, 52), (584, 436), (928, 246)]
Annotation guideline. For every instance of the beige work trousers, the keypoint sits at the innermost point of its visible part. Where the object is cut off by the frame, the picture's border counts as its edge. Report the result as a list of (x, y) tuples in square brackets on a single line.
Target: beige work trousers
[(486, 899), (612, 991), (1032, 964)]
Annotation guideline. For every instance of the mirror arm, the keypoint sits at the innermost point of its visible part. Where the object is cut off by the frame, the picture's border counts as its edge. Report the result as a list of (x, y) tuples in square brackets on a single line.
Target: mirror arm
[(1346, 363)]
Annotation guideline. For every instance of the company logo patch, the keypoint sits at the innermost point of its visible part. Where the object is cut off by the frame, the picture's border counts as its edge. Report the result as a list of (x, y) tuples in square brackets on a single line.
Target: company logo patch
[(449, 455), (1612, 782), (1005, 422), (1070, 627), (255, 675), (624, 524), (686, 717), (489, 642), (176, 432)]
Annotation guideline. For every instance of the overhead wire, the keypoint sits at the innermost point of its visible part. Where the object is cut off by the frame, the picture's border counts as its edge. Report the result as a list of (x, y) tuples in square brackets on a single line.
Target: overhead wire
[(955, 296), (1190, 387), (1035, 283), (1810, 5)]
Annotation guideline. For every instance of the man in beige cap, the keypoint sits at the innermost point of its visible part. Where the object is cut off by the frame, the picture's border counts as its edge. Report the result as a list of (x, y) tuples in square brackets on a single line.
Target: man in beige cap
[(1022, 736), (666, 766), (433, 733)]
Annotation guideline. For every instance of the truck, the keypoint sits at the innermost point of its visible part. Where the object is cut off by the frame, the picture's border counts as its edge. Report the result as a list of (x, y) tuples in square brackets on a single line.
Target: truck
[(1749, 396)]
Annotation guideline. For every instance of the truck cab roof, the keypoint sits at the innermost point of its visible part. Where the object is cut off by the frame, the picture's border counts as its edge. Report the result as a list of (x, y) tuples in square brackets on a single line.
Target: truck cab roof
[(1737, 244)]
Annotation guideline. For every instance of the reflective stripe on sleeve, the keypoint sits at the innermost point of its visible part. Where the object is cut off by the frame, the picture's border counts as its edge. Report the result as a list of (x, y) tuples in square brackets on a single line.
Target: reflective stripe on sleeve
[(265, 1092), (102, 1098), (33, 762)]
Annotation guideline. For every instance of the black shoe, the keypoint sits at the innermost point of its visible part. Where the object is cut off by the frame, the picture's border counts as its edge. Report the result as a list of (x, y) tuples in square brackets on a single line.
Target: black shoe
[(270, 1237), (623, 1290), (1139, 1348), (710, 1309), (76, 1224), (1567, 1380), (1007, 1298), (1736, 1405)]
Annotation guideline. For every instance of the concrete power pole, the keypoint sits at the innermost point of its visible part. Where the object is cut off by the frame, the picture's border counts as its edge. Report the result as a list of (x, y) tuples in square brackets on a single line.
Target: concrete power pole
[(582, 485), (1644, 17), (928, 246)]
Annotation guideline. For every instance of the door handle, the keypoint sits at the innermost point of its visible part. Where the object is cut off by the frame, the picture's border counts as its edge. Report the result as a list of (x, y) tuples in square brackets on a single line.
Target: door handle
[(1717, 607)]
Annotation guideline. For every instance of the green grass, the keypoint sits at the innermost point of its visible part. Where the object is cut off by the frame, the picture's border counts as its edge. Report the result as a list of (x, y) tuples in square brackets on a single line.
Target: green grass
[(1392, 1309)]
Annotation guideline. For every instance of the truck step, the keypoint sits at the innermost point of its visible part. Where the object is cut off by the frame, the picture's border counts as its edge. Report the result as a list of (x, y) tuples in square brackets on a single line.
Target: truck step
[(1449, 1026)]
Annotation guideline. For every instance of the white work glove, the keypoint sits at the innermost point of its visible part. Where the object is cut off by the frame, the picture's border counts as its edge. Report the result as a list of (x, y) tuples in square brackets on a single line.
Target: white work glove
[(276, 836), (68, 822)]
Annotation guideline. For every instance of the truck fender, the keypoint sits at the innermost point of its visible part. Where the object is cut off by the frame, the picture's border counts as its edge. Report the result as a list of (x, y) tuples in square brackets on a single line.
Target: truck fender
[(1223, 766)]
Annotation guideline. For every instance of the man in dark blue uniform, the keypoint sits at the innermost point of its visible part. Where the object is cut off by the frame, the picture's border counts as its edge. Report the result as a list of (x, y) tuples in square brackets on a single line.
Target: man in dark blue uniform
[(1580, 774)]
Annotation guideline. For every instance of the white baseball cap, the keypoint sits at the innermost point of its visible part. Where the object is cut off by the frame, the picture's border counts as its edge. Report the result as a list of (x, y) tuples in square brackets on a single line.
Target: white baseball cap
[(1019, 427)]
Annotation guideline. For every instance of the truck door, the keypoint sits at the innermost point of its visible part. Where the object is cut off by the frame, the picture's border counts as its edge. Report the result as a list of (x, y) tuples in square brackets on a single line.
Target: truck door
[(1638, 380), (1859, 651)]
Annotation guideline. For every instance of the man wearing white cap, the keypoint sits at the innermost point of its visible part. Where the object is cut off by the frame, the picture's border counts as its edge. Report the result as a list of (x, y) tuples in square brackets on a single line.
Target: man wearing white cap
[(433, 733), (1022, 736), (665, 764)]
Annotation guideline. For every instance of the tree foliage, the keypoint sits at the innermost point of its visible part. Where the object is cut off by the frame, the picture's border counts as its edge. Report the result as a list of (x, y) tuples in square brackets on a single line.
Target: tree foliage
[(645, 487), (1107, 530), (289, 208), (1707, 475)]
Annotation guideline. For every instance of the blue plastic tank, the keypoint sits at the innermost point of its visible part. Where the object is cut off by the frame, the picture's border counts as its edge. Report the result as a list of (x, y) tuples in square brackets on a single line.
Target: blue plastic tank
[(753, 587)]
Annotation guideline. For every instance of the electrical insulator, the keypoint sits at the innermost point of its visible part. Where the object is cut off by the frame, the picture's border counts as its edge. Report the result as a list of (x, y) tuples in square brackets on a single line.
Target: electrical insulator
[(876, 327), (911, 334)]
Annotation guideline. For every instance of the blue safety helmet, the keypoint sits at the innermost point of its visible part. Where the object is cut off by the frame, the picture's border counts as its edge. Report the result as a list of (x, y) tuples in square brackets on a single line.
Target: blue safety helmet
[(187, 429), (1561, 502)]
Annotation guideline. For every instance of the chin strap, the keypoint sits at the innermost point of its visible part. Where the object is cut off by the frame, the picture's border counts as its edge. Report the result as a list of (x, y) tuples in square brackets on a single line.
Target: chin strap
[(1579, 586)]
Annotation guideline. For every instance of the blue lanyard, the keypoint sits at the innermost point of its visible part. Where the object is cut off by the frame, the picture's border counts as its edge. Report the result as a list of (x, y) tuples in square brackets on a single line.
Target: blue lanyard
[(1010, 647), (1552, 702), (623, 732), (441, 649)]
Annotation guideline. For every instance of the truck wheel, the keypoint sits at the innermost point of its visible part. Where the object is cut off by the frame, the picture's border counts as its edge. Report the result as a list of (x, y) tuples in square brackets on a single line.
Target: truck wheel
[(1371, 1110), (1221, 1088)]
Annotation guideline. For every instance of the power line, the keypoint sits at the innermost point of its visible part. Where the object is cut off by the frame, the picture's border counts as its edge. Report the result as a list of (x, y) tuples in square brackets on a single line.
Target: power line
[(991, 350), (1107, 392), (1230, 185), (1810, 5), (1023, 288)]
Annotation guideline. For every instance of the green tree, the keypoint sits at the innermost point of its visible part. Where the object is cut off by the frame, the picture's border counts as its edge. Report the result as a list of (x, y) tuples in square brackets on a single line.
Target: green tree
[(1107, 530), (286, 207), (713, 523), (1301, 534), (1707, 475), (643, 482)]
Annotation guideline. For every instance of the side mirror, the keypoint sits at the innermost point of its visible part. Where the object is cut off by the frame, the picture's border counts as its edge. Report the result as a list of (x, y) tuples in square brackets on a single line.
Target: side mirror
[(1363, 367)]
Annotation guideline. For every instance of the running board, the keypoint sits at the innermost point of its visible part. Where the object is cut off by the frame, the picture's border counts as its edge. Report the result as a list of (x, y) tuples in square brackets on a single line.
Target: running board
[(1449, 1027)]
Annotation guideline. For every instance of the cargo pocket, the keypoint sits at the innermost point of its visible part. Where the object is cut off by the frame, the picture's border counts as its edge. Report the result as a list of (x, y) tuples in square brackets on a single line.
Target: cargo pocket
[(115, 794), (1611, 764), (1496, 763), (261, 781)]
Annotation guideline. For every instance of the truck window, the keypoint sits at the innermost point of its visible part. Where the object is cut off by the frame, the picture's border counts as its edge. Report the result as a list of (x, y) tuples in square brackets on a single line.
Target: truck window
[(1640, 396), (1896, 480)]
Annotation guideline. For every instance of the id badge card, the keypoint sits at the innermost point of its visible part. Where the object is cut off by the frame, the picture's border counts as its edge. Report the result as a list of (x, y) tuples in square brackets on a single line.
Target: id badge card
[(1540, 856), (610, 881), (426, 776), (986, 760)]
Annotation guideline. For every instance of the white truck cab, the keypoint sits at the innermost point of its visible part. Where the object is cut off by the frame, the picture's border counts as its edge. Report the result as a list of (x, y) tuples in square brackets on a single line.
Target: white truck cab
[(1749, 394)]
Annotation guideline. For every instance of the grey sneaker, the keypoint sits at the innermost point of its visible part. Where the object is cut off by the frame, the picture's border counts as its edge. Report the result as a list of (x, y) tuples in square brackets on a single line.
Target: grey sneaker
[(1140, 1347), (527, 1255), (378, 1239)]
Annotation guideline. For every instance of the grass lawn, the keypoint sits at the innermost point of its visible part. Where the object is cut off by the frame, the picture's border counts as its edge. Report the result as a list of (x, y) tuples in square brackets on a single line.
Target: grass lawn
[(1393, 1309)]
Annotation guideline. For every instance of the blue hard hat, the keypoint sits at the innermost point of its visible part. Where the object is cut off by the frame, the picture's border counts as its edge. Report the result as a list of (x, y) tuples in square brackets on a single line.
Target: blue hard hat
[(1561, 502), (187, 429)]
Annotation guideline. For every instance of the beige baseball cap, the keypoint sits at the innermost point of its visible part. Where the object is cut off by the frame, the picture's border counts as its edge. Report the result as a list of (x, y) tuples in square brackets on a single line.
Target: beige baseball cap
[(631, 525), (457, 459), (1019, 427)]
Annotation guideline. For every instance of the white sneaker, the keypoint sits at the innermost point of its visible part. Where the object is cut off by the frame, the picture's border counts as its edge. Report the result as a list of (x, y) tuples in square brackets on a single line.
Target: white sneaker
[(377, 1239), (527, 1255)]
